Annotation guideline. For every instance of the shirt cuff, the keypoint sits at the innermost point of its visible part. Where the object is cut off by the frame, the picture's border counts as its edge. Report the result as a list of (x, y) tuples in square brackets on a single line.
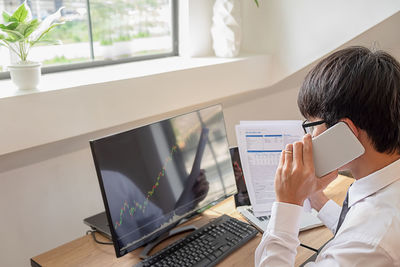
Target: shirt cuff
[(285, 217), (329, 214)]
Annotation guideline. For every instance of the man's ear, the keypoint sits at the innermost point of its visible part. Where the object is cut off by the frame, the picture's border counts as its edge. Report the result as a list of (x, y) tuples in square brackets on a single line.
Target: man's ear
[(351, 125)]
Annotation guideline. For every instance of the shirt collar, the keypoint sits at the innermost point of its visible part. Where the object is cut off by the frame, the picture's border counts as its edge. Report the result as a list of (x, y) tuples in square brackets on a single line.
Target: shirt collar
[(374, 182)]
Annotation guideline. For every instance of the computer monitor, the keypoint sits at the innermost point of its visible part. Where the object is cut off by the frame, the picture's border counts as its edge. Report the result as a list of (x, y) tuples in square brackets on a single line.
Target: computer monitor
[(153, 176)]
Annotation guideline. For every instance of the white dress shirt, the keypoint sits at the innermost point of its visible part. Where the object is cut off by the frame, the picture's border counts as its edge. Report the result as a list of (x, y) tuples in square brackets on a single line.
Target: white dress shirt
[(369, 235)]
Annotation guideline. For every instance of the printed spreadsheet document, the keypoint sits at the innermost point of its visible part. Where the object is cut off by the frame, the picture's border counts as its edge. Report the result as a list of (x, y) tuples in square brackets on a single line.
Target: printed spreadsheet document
[(260, 145)]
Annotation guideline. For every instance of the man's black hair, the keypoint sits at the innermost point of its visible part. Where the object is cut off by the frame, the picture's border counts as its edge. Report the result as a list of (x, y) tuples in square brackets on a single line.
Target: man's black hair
[(361, 85)]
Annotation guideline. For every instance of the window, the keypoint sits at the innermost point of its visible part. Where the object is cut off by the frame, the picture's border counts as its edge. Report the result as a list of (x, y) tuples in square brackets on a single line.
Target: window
[(101, 32)]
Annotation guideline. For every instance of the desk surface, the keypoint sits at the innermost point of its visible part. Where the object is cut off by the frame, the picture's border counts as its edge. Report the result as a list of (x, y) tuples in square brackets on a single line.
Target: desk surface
[(85, 252)]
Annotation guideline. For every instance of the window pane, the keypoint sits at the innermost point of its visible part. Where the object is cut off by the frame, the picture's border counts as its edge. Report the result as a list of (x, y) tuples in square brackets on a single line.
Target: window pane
[(126, 28), (121, 29)]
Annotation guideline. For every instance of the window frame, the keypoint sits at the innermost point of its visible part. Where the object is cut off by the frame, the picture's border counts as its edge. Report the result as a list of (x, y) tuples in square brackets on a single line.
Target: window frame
[(99, 63)]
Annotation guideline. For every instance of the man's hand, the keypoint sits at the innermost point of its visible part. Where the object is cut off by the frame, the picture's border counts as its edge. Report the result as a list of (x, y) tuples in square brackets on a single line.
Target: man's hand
[(295, 178)]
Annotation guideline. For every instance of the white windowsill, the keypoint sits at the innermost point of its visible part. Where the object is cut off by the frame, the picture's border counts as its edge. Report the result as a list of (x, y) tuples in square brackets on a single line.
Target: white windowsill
[(73, 103), (110, 73)]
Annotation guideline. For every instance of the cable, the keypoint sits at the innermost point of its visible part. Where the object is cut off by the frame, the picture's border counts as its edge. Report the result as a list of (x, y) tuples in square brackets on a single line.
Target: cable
[(310, 248), (95, 239)]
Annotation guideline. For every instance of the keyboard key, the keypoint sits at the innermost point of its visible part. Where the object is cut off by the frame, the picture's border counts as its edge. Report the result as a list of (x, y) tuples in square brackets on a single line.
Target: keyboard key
[(211, 257), (217, 253), (224, 248), (203, 262)]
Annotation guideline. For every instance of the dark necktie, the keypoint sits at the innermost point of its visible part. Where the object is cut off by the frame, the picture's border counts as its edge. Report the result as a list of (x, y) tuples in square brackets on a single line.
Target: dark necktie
[(345, 209), (343, 213)]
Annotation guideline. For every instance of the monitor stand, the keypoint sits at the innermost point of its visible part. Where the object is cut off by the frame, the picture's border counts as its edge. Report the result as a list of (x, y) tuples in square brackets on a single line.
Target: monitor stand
[(99, 223), (145, 252)]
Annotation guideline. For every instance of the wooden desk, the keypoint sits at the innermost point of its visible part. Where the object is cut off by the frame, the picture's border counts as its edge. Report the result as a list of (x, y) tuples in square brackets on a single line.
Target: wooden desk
[(85, 252)]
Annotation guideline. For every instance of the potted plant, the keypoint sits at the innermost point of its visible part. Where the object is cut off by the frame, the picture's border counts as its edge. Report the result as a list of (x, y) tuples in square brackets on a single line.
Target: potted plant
[(19, 32)]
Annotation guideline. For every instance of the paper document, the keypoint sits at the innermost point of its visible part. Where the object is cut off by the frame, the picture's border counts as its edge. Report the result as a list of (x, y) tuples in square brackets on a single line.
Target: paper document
[(260, 145)]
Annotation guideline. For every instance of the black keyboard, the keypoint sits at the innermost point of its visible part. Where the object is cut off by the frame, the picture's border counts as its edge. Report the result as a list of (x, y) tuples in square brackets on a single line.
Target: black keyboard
[(206, 246)]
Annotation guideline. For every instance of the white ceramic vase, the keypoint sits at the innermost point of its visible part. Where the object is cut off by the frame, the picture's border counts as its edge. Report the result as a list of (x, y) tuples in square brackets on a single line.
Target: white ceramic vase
[(226, 29), (26, 76)]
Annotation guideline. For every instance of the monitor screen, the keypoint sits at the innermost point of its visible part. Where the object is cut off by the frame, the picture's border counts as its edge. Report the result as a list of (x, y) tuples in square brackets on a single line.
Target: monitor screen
[(153, 176)]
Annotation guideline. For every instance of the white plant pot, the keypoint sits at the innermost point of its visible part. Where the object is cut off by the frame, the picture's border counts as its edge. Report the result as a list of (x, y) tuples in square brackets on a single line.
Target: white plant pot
[(226, 29), (26, 76)]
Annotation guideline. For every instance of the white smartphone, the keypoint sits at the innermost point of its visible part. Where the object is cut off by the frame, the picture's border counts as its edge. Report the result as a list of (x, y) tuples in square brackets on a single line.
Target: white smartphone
[(334, 148)]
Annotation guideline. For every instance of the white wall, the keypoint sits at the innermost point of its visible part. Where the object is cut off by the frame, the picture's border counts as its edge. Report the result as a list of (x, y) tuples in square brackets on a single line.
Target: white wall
[(194, 27), (46, 191), (299, 32)]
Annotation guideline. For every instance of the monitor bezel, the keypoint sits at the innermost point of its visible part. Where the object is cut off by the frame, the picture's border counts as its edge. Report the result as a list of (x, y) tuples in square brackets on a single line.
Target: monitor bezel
[(120, 251)]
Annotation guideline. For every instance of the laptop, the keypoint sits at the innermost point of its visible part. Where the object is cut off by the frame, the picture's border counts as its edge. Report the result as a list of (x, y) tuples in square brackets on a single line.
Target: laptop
[(243, 205), (99, 223)]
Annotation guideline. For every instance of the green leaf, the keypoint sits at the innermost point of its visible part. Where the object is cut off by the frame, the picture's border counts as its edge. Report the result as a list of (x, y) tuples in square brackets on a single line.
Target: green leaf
[(21, 28), (22, 13), (32, 26), (13, 36), (27, 29), (9, 25), (256, 1), (2, 36), (6, 16), (12, 40)]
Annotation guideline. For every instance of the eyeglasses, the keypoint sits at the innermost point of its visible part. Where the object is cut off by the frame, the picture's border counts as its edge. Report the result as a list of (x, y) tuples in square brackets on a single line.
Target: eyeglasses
[(308, 127)]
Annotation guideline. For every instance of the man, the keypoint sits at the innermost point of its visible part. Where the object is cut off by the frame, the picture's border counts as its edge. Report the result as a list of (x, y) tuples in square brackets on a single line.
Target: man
[(362, 89)]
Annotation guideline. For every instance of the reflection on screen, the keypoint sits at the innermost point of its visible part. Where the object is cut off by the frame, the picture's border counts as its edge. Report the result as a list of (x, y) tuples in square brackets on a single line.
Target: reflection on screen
[(241, 197), (153, 176)]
